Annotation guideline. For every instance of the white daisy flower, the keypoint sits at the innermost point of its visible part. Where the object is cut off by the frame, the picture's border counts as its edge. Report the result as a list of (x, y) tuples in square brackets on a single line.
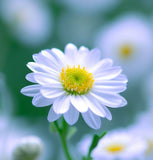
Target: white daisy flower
[(128, 41), (119, 145), (30, 21), (75, 82)]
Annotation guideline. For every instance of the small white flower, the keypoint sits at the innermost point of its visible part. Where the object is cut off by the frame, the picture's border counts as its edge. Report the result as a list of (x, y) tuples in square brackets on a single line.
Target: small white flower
[(28, 148), (128, 41), (75, 82), (119, 145), (29, 20), (145, 131)]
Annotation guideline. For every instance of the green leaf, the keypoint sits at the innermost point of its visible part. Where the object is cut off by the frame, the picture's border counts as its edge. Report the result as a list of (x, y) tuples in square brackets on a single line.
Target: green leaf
[(94, 143), (52, 128), (71, 132)]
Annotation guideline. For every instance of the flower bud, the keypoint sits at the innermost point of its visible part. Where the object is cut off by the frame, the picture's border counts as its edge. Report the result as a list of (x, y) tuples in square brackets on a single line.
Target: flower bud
[(28, 148)]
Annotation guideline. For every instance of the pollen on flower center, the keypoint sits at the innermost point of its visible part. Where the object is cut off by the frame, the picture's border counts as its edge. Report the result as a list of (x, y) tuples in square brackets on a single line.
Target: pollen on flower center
[(114, 148), (126, 51), (76, 80)]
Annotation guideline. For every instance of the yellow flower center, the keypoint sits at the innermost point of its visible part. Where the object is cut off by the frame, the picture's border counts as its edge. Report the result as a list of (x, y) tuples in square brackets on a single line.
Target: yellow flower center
[(76, 80), (114, 148), (126, 51)]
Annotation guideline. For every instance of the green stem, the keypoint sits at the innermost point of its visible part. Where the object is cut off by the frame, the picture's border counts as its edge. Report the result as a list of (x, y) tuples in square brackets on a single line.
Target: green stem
[(63, 141)]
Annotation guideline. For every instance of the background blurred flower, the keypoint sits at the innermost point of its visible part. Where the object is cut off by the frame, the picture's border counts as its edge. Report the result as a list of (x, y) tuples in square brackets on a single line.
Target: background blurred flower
[(120, 144), (128, 41), (84, 144), (28, 148), (29, 21), (12, 131), (143, 127)]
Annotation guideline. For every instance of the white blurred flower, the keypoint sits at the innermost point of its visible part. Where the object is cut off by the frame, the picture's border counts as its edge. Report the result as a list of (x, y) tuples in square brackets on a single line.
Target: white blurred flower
[(29, 20), (120, 145), (92, 6), (145, 119), (128, 41), (28, 148), (11, 134), (145, 131), (84, 144), (75, 82)]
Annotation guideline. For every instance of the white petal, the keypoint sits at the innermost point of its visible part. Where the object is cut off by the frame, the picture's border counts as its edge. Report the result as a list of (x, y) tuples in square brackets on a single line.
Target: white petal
[(71, 116), (82, 50), (61, 104), (40, 101), (44, 60), (79, 103), (110, 100), (92, 58), (34, 67), (52, 116), (108, 74), (95, 55), (121, 78), (70, 50), (95, 106), (91, 119), (102, 65), (108, 113), (111, 83), (30, 90), (58, 55), (46, 78), (30, 77), (110, 88), (51, 92)]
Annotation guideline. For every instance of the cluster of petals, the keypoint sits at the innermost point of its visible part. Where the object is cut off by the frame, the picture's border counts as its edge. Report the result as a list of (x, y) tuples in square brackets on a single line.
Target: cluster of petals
[(120, 144), (48, 88)]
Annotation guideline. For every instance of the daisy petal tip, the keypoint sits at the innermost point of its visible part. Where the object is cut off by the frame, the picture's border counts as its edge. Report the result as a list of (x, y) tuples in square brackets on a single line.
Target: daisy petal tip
[(70, 47), (22, 90)]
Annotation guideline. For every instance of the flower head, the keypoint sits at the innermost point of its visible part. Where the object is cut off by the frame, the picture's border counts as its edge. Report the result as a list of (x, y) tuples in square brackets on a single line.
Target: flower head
[(28, 148), (75, 82), (30, 20), (128, 40), (119, 145)]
